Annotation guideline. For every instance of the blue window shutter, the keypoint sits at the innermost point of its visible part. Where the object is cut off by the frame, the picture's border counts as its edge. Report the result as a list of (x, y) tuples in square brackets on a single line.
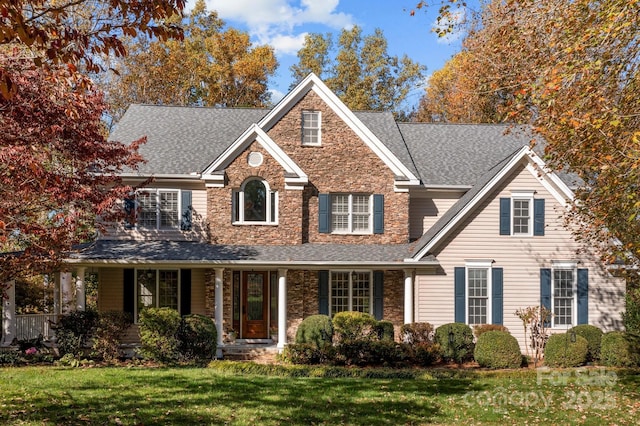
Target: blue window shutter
[(128, 291), (496, 296), (583, 296), (323, 292), (185, 214), (324, 213), (505, 216), (378, 213), (459, 290), (378, 294), (538, 216), (130, 213), (545, 289), (185, 291)]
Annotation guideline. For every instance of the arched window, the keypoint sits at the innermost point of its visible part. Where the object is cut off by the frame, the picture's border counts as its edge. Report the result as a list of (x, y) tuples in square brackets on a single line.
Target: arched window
[(255, 203)]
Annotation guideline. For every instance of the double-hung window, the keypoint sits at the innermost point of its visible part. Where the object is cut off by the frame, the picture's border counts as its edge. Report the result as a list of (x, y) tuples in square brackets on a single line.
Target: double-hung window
[(350, 291), (478, 294), (157, 288), (255, 203), (351, 213), (522, 215), (311, 128), (563, 295)]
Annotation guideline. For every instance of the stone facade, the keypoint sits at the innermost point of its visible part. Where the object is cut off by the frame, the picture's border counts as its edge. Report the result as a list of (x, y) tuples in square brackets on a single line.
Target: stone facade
[(343, 163)]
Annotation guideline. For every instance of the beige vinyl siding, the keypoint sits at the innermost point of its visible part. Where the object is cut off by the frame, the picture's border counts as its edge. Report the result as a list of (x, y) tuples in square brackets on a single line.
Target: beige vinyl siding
[(199, 228), (521, 258), (426, 209), (198, 305)]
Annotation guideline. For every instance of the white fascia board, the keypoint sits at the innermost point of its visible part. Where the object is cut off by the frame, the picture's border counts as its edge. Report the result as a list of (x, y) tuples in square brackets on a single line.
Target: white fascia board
[(515, 160), (550, 180), (312, 82)]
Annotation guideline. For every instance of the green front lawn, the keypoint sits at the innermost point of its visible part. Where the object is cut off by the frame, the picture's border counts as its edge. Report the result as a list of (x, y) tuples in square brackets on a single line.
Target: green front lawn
[(221, 395)]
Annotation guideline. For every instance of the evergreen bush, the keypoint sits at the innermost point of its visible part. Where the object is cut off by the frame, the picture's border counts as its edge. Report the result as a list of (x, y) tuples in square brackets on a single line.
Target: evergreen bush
[(480, 329), (198, 338), (560, 351), (349, 326), (417, 332), (73, 331), (316, 330), (384, 330), (619, 349), (497, 349), (456, 341), (108, 334), (594, 337), (159, 334)]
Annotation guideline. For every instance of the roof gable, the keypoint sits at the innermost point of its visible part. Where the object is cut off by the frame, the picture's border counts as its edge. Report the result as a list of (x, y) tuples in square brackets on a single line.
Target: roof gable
[(295, 178), (404, 176), (494, 177)]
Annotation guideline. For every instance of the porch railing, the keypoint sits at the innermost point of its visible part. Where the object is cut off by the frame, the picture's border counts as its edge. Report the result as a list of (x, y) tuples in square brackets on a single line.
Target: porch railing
[(30, 326)]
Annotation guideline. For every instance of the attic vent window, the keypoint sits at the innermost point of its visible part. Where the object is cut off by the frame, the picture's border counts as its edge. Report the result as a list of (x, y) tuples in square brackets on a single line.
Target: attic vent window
[(310, 128), (255, 159)]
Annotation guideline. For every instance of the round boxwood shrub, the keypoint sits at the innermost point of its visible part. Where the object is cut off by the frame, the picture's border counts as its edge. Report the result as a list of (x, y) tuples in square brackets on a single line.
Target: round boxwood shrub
[(316, 330), (354, 326), (73, 331), (560, 351), (456, 342), (198, 337), (594, 337), (619, 350), (497, 349), (384, 331), (159, 334)]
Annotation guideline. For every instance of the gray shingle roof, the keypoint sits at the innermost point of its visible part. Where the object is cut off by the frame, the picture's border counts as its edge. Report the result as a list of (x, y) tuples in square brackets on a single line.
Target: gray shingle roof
[(459, 154), (195, 252), (182, 140)]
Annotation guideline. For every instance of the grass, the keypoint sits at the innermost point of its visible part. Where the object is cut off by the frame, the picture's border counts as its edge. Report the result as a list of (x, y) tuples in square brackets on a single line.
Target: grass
[(221, 395)]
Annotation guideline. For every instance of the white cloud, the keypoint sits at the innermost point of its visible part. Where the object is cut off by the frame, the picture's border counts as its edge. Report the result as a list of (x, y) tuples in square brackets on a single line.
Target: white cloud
[(274, 22), (454, 19)]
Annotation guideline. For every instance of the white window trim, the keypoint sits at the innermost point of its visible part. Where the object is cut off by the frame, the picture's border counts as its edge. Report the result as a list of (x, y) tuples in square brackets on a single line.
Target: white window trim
[(478, 264), (319, 128), (522, 195), (350, 297), (350, 230), (157, 273), (239, 212), (565, 265), (157, 192)]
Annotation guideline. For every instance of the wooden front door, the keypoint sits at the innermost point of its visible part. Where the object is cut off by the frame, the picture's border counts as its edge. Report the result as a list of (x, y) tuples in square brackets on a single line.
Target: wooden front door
[(255, 312)]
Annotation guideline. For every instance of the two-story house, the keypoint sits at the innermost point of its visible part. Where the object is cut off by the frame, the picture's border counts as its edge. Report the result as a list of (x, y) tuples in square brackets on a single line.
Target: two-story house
[(262, 217)]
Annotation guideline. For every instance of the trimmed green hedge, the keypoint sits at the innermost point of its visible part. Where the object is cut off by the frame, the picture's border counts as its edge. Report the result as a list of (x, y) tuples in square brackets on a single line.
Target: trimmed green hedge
[(159, 334), (460, 349), (560, 351), (497, 349), (349, 326), (620, 350), (198, 338), (316, 330), (594, 337)]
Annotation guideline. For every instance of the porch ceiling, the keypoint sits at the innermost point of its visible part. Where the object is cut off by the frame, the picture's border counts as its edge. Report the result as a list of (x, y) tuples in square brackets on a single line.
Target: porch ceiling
[(205, 254)]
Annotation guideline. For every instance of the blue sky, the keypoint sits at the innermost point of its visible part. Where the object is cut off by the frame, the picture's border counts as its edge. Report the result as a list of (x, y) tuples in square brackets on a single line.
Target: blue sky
[(284, 23)]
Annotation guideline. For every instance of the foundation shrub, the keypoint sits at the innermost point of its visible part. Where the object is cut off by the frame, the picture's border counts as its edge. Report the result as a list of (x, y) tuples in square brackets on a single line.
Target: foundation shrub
[(307, 354), (350, 326), (497, 349), (620, 349), (560, 351), (159, 334), (480, 329), (316, 330), (108, 335), (425, 354), (384, 331), (417, 332), (594, 338), (370, 353), (198, 338), (456, 341), (73, 331)]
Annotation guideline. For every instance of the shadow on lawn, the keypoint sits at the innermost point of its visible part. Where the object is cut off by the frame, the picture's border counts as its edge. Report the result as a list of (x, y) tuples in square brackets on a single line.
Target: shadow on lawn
[(200, 396)]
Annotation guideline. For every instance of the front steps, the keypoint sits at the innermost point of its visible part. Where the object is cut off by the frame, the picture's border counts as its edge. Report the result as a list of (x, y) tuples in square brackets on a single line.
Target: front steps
[(259, 350)]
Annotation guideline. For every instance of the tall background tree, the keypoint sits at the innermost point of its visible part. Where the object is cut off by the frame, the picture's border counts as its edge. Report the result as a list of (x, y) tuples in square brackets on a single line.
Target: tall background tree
[(360, 71), (211, 66), (58, 173)]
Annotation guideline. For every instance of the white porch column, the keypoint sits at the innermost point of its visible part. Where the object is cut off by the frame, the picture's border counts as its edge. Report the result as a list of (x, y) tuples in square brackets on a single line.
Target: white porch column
[(81, 298), (56, 293), (408, 296), (219, 317), (282, 309), (9, 330), (66, 291)]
